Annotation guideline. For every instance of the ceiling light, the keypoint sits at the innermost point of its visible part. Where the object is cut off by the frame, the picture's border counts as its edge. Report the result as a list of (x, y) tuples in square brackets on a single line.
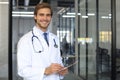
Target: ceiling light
[(109, 14), (105, 17), (84, 16), (4, 2), (17, 15), (91, 14), (72, 13), (68, 16), (61, 11), (19, 12)]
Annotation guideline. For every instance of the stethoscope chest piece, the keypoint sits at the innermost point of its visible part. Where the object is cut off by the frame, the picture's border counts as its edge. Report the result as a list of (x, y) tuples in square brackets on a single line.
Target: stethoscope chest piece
[(56, 46)]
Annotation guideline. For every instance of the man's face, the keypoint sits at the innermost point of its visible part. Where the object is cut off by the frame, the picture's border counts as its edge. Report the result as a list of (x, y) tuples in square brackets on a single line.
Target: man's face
[(43, 18)]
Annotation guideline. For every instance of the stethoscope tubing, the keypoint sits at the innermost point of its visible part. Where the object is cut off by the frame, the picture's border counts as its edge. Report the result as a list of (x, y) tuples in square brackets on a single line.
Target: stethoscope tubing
[(33, 43), (33, 36)]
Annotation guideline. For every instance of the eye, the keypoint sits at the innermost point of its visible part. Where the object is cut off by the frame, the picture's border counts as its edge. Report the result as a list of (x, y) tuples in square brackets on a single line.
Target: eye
[(41, 14), (49, 15)]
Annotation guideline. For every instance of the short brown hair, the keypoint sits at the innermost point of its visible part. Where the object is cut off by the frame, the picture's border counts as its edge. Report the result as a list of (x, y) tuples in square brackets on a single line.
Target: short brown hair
[(42, 5)]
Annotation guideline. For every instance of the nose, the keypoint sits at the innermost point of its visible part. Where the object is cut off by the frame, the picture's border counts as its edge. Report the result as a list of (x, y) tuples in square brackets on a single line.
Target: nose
[(45, 17)]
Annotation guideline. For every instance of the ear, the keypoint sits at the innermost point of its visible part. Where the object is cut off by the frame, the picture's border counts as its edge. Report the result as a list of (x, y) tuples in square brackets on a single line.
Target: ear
[(34, 16)]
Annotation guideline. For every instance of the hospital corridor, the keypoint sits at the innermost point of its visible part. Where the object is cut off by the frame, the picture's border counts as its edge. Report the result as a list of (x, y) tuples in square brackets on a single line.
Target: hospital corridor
[(87, 30)]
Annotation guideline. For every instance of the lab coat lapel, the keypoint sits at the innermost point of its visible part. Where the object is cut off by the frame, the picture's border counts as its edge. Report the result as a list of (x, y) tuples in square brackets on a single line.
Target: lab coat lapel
[(41, 38), (45, 49), (50, 46), (50, 41), (52, 50), (45, 45)]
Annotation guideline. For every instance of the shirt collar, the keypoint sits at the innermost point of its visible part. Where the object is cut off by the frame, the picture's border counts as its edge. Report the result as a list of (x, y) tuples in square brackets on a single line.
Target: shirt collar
[(37, 31)]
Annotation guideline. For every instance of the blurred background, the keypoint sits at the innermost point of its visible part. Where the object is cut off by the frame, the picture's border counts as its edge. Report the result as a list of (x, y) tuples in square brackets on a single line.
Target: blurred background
[(88, 31)]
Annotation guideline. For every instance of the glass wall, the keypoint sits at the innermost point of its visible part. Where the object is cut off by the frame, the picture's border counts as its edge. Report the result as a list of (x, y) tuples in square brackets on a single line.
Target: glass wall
[(85, 33), (89, 24), (87, 39), (66, 34), (94, 38), (117, 40)]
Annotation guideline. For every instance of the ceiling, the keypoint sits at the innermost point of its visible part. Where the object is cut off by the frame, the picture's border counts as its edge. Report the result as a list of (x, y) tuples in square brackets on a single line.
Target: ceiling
[(59, 5), (65, 3), (32, 3)]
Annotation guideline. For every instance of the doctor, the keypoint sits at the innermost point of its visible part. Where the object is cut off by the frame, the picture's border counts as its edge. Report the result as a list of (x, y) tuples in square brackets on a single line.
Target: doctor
[(38, 51)]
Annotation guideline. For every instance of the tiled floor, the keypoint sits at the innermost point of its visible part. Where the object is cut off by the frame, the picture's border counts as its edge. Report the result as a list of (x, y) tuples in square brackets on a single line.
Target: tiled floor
[(69, 76), (4, 72), (3, 78)]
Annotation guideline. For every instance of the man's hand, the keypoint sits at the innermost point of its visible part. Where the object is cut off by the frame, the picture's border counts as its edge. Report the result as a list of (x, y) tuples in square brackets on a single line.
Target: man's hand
[(53, 68), (63, 71)]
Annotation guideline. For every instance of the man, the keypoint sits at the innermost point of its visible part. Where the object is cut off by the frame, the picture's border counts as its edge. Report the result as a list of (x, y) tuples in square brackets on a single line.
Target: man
[(38, 51)]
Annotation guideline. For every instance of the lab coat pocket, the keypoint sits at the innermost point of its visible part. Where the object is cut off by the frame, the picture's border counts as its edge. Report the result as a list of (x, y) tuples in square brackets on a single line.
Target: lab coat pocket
[(55, 56)]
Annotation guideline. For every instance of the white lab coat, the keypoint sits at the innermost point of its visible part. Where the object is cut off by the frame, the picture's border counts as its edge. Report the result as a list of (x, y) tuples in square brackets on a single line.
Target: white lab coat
[(31, 65)]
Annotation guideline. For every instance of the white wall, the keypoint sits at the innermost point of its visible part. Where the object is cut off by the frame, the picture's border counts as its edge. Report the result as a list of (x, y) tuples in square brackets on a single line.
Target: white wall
[(3, 40)]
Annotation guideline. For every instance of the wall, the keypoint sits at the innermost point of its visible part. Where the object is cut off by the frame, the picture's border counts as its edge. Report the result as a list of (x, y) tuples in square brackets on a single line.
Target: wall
[(118, 22), (4, 40)]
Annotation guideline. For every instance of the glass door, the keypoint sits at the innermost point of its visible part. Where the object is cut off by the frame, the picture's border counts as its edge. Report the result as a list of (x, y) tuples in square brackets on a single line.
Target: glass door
[(117, 40), (94, 39)]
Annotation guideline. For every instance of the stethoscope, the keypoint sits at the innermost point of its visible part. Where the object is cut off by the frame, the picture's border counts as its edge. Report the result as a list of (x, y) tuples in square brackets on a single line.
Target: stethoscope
[(36, 49)]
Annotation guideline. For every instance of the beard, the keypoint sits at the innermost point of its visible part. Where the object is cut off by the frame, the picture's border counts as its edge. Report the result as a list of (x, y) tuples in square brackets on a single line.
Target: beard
[(42, 26)]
